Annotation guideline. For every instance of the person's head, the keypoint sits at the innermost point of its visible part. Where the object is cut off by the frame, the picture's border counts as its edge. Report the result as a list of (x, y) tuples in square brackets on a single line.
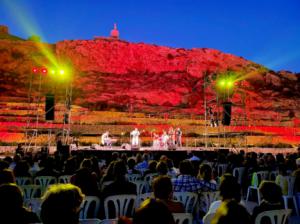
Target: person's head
[(21, 168), (186, 167), (162, 187), (270, 192), (152, 165), (120, 169), (153, 211), (61, 203), (86, 163), (231, 212), (298, 162), (11, 197), (162, 168), (115, 156), (7, 176), (205, 172), (131, 163), (230, 188), (282, 169), (3, 165)]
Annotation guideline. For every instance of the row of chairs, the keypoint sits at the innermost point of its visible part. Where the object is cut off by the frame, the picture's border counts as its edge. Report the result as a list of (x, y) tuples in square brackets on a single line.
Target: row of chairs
[(43, 180)]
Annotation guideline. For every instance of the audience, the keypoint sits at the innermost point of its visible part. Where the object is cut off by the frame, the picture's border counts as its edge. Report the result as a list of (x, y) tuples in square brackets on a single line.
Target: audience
[(12, 210), (153, 211), (271, 199), (163, 190), (61, 204)]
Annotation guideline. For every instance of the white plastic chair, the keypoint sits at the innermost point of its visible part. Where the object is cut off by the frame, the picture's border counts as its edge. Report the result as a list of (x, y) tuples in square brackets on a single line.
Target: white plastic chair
[(141, 187), (65, 179), (109, 221), (143, 197), (257, 178), (148, 179), (207, 218), (89, 221), (31, 191), (188, 199), (290, 195), (104, 184), (275, 216), (20, 181), (45, 181), (238, 173), (133, 177), (34, 204), (183, 218), (122, 204), (86, 206), (221, 168), (208, 198)]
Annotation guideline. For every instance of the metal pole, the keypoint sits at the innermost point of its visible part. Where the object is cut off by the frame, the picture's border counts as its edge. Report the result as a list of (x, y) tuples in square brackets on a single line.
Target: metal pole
[(205, 110)]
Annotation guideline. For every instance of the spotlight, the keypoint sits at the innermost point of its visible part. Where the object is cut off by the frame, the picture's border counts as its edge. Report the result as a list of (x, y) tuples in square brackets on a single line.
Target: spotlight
[(35, 70), (62, 72), (44, 71), (52, 72)]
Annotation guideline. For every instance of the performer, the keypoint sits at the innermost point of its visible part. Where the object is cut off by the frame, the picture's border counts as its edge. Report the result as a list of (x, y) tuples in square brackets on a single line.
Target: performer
[(165, 139), (135, 141), (171, 134), (156, 141), (178, 135), (105, 139)]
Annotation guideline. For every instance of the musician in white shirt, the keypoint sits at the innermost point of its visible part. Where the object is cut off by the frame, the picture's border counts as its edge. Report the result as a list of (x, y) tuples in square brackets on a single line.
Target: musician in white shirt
[(105, 139), (135, 140)]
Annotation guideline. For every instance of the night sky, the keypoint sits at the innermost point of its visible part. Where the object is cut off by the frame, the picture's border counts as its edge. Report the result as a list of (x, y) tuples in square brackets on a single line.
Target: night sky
[(264, 31)]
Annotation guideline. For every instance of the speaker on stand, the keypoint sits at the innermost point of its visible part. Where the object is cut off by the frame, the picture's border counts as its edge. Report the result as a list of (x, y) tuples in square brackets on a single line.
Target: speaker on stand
[(49, 107), (226, 113)]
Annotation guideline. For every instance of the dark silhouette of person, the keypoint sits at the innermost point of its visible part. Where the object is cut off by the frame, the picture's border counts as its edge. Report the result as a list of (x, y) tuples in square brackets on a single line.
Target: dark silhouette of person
[(61, 204), (12, 210)]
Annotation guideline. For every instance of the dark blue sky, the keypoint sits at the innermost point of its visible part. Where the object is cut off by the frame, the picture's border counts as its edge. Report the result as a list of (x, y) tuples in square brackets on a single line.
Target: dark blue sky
[(264, 31)]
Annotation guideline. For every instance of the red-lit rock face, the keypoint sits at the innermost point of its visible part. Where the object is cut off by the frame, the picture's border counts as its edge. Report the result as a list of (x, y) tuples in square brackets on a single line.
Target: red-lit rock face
[(142, 77)]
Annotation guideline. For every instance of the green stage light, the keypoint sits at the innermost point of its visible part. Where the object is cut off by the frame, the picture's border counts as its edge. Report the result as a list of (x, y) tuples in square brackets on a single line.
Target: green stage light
[(52, 71), (229, 83)]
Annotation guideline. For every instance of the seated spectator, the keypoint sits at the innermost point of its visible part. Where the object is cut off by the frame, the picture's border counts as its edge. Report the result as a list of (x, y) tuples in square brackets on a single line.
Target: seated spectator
[(161, 168), (22, 169), (7, 176), (151, 168), (109, 173), (61, 204), (153, 211), (185, 181), (11, 206), (3, 164), (296, 174), (173, 172), (131, 166), (231, 212), (86, 179), (230, 189), (70, 166), (48, 169), (163, 190), (120, 185), (271, 199), (281, 179), (144, 164), (205, 175)]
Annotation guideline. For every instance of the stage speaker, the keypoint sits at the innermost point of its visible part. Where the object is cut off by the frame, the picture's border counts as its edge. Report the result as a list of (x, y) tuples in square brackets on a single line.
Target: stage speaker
[(49, 107), (226, 113)]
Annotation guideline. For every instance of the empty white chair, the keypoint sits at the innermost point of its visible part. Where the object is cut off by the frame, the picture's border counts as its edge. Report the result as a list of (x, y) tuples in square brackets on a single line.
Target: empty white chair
[(90, 204), (208, 198), (23, 181), (238, 172), (133, 177), (290, 195), (122, 204), (257, 178), (31, 191), (188, 199), (183, 218), (65, 179), (90, 221), (275, 216)]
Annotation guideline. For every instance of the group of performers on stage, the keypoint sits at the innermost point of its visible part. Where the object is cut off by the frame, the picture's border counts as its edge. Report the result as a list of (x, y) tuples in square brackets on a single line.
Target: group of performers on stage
[(168, 140)]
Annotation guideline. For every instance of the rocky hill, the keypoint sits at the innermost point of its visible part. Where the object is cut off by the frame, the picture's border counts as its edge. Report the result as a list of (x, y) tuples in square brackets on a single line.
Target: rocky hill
[(111, 74)]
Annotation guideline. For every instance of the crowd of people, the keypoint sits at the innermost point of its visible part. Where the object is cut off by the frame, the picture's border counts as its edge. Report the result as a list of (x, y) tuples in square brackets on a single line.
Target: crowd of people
[(96, 176)]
